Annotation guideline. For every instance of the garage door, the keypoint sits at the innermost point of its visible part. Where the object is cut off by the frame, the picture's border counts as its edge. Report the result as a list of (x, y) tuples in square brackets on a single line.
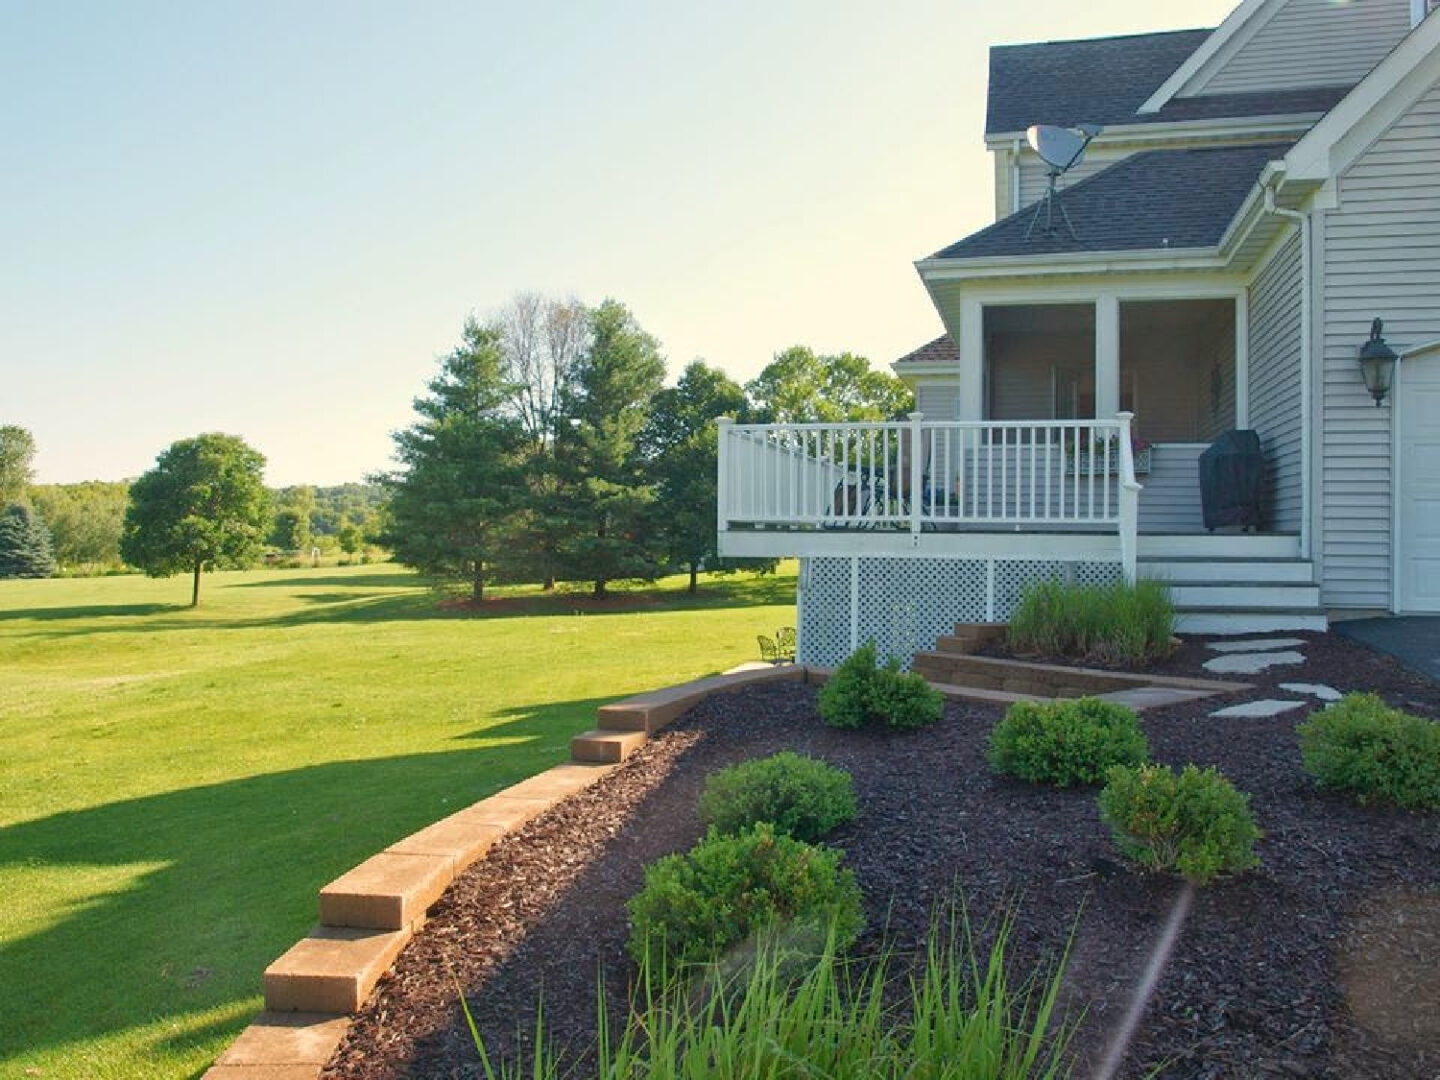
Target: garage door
[(1419, 415)]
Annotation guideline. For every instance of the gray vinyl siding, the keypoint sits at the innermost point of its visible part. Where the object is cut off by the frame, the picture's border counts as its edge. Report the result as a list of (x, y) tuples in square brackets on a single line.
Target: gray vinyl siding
[(1275, 380), (938, 400), (1314, 43), (1034, 174), (1381, 257)]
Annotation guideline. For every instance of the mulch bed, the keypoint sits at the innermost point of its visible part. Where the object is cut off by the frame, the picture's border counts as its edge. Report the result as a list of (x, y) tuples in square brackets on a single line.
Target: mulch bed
[(1324, 962)]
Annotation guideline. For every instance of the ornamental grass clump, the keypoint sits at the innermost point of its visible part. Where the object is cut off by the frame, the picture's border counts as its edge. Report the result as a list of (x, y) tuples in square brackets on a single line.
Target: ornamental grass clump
[(863, 693), (1195, 824), (956, 1013), (1065, 742), (1117, 624), (732, 892), (800, 796), (1375, 753)]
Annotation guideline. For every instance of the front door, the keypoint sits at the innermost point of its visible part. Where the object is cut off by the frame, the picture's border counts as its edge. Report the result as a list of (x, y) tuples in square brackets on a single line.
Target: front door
[(1418, 406)]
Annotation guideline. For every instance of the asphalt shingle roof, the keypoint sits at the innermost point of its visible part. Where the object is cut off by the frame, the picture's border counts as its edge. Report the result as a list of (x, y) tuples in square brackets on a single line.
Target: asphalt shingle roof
[(1105, 80), (940, 351), (1100, 80), (1151, 200)]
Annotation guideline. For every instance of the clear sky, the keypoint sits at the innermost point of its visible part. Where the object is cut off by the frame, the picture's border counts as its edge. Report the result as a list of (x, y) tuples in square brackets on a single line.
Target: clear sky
[(269, 218)]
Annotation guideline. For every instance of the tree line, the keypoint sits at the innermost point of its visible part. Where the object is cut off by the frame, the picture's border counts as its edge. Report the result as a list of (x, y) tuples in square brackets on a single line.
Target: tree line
[(546, 448)]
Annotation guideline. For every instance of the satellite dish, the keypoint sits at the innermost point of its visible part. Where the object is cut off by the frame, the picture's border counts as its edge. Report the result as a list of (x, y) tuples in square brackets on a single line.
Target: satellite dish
[(1061, 149)]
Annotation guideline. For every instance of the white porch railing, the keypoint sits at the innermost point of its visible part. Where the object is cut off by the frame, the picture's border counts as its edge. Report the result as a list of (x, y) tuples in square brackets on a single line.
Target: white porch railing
[(1041, 475)]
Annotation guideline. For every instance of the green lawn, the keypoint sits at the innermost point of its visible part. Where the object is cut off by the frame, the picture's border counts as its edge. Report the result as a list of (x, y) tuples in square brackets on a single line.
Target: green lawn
[(176, 784)]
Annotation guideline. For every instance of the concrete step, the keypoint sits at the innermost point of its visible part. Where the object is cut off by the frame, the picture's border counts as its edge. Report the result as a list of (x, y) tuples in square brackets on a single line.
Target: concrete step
[(1217, 545), (1249, 621), (1194, 596), (1229, 571)]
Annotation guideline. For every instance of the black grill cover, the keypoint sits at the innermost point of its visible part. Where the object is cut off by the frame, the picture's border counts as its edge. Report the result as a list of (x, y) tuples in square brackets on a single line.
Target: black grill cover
[(1232, 480)]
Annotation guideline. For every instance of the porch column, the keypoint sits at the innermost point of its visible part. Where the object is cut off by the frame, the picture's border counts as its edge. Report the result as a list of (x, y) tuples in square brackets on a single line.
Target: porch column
[(972, 361), (1107, 356)]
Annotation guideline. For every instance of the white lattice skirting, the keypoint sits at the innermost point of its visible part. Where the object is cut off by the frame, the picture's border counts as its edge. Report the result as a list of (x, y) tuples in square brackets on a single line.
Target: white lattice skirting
[(904, 605)]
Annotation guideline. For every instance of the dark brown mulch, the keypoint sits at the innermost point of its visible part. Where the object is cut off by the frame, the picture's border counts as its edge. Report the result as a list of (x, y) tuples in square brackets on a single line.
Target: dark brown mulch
[(1321, 963)]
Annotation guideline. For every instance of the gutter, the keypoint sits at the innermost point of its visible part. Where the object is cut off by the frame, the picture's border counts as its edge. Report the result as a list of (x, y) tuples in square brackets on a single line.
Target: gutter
[(1272, 179)]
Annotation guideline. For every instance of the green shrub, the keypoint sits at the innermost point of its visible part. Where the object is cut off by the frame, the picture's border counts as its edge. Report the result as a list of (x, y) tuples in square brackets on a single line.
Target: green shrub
[(1196, 823), (1112, 623), (800, 796), (860, 692), (731, 891), (1065, 742), (1378, 754)]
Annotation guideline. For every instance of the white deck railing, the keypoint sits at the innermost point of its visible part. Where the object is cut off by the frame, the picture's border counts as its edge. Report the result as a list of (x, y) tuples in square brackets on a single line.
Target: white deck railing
[(918, 474)]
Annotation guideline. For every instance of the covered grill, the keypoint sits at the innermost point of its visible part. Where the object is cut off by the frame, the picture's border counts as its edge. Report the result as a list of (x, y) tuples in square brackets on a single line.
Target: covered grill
[(1232, 481)]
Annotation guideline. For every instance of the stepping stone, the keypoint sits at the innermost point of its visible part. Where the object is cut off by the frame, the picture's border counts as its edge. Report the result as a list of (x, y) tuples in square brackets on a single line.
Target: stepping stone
[(1259, 709), (1320, 690), (1251, 663), (1254, 644)]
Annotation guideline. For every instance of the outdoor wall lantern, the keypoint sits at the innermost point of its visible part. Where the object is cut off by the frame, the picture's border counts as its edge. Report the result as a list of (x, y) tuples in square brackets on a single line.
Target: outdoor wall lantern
[(1377, 363)]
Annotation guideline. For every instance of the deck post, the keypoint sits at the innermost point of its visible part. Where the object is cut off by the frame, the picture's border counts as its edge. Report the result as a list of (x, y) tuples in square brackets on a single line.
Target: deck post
[(722, 478), (1129, 500), (917, 474)]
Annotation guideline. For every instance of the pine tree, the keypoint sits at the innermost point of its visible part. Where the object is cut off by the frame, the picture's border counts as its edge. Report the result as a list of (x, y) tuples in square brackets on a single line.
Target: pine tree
[(604, 494), (24, 544), (453, 507)]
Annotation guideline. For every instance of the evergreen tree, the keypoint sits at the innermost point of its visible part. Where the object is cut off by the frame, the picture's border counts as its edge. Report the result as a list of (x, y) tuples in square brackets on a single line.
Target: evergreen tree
[(680, 442), (604, 496), (24, 544), (453, 506), (203, 504)]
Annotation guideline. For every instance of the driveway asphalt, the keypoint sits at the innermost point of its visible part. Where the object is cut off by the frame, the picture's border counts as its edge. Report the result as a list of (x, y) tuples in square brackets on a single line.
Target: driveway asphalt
[(1414, 640)]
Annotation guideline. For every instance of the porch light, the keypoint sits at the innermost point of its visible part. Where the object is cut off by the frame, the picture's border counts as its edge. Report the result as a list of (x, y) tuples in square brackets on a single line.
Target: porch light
[(1377, 363)]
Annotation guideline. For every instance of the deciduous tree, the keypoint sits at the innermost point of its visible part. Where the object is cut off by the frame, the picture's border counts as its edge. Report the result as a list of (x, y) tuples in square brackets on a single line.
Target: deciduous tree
[(799, 386), (204, 504), (17, 451), (85, 521)]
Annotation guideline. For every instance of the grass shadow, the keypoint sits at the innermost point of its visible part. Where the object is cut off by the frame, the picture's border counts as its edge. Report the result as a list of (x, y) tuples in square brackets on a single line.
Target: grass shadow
[(89, 611)]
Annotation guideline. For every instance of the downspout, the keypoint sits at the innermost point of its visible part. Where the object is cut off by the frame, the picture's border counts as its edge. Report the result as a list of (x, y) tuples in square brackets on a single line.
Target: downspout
[(1302, 221), (1015, 176)]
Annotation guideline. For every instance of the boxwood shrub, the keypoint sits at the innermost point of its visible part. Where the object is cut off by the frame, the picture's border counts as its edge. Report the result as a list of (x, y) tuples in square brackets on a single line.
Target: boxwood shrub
[(800, 796), (1065, 742), (734, 891), (1195, 824), (861, 692), (1375, 753)]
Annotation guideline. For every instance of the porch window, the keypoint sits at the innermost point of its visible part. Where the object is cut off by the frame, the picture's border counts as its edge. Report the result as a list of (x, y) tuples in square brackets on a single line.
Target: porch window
[(1177, 368), (1039, 361)]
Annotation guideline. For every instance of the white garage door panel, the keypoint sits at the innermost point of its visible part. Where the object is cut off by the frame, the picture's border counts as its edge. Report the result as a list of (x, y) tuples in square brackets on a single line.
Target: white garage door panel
[(1418, 409)]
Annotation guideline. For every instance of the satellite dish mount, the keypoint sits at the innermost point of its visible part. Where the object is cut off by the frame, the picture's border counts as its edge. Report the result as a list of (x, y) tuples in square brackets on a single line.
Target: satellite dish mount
[(1061, 149)]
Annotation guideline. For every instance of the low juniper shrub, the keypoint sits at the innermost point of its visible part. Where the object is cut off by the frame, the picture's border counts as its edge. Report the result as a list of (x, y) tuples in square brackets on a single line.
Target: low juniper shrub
[(800, 796), (1065, 742), (861, 692), (1378, 754), (1196, 824), (732, 892)]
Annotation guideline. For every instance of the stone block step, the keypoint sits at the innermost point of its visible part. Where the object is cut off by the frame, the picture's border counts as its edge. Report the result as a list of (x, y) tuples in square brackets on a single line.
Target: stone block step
[(388, 891), (660, 708), (606, 747), (331, 971), (277, 1046), (988, 697)]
